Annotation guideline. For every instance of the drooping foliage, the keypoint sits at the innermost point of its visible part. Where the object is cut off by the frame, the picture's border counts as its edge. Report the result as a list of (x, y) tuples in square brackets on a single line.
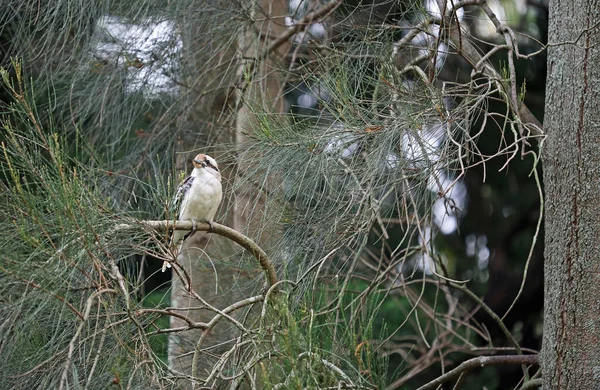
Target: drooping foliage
[(379, 176)]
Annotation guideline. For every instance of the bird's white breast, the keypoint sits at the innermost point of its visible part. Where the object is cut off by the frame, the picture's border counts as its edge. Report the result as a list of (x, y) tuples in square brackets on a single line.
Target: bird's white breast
[(202, 199)]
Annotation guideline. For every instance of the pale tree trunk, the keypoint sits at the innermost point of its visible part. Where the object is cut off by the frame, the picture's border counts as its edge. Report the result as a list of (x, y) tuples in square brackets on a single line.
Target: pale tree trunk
[(213, 262), (264, 94), (196, 132), (571, 344)]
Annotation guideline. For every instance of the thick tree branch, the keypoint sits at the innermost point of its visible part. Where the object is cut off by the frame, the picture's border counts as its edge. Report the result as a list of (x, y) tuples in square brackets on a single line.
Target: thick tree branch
[(480, 361), (219, 229)]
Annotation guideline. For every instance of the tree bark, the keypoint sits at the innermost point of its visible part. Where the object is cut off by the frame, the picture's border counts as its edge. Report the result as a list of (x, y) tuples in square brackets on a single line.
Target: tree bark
[(571, 343), (264, 94)]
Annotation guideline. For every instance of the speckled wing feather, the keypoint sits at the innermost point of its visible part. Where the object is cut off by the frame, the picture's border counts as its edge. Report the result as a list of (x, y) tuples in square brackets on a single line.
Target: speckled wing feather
[(183, 188), (179, 235)]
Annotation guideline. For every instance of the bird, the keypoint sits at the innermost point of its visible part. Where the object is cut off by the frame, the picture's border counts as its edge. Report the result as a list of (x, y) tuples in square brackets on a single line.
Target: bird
[(198, 198)]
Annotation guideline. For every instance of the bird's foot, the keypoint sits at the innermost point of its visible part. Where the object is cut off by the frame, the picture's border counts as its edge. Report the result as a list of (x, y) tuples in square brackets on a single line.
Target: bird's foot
[(193, 231), (211, 227)]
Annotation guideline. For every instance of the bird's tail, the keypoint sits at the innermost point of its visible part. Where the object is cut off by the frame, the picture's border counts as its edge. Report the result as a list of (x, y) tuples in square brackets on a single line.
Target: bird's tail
[(175, 247)]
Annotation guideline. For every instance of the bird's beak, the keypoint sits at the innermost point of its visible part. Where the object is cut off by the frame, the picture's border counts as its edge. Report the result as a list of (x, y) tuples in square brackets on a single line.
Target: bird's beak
[(199, 162)]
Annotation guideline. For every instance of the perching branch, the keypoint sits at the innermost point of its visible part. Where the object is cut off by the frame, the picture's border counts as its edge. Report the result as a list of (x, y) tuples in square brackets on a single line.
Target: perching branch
[(219, 229), (480, 361)]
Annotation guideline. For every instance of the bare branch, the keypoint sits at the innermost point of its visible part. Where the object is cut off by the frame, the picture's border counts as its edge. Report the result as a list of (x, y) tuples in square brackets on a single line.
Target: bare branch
[(480, 361), (470, 54), (301, 24)]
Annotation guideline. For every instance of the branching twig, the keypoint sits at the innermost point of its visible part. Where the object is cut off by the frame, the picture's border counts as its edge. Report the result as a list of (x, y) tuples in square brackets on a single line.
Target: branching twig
[(471, 55), (54, 294), (88, 308), (302, 23), (214, 321)]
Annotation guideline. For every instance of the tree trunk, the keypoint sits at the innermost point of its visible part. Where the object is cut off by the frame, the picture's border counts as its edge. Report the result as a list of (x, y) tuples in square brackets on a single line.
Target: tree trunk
[(213, 262), (265, 95), (571, 344)]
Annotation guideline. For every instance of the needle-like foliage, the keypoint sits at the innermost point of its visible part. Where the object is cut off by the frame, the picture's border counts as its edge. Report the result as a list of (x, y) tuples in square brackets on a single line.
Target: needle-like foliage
[(352, 180)]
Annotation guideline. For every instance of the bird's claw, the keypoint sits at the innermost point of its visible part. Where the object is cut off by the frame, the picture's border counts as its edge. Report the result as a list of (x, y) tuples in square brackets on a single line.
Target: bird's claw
[(193, 231), (211, 228)]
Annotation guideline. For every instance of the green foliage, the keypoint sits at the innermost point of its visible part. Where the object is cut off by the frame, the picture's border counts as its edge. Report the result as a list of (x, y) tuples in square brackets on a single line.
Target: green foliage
[(66, 317), (159, 342), (88, 145), (307, 349), (342, 173)]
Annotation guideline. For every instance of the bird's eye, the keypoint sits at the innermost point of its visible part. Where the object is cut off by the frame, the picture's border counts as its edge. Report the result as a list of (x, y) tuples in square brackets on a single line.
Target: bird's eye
[(211, 165)]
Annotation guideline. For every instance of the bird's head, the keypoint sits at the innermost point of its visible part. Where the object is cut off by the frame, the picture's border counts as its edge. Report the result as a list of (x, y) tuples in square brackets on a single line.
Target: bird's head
[(205, 161)]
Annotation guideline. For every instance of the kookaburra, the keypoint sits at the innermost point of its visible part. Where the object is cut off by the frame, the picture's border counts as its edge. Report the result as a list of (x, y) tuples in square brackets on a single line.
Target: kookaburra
[(198, 198)]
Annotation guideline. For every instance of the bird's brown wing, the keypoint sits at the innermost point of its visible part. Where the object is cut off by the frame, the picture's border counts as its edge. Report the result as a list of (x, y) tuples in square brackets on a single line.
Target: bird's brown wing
[(183, 188), (179, 235)]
